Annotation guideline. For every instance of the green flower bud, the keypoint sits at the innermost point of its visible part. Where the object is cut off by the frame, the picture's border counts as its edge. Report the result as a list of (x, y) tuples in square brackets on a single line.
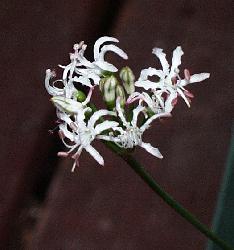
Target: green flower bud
[(80, 96), (66, 105), (128, 78), (109, 89), (101, 84), (120, 93)]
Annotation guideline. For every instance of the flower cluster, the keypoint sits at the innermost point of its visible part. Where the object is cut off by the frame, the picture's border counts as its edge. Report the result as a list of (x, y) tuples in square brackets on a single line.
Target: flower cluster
[(129, 112)]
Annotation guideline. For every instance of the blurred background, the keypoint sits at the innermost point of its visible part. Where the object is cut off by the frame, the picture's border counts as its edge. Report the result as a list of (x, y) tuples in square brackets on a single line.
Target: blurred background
[(45, 206)]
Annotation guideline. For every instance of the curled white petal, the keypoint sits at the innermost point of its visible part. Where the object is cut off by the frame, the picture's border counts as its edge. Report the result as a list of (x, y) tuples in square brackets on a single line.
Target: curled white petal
[(51, 90), (106, 66), (97, 115), (176, 60), (99, 42), (114, 49), (105, 125), (136, 112), (66, 132), (145, 73), (162, 57)]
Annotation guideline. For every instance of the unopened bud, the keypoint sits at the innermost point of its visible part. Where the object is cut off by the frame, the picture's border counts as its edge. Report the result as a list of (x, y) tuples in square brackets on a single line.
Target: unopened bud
[(109, 89), (80, 96), (120, 93), (101, 84), (128, 78), (66, 105)]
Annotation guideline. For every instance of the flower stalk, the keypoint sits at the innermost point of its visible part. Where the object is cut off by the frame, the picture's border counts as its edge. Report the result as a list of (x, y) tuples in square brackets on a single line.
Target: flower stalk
[(129, 111), (150, 181)]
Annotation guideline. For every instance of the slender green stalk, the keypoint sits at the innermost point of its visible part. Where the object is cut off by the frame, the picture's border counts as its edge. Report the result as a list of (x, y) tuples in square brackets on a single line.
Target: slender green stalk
[(135, 165)]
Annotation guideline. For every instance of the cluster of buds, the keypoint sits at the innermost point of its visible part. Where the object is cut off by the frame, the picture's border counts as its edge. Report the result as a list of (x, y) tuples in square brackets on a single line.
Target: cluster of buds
[(80, 122)]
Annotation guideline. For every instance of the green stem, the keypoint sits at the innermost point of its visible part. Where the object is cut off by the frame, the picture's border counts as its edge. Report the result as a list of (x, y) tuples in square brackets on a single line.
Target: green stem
[(136, 166)]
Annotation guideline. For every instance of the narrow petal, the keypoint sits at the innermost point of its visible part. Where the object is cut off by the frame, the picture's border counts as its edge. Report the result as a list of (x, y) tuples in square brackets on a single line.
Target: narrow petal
[(83, 61), (66, 132), (176, 60), (181, 93), (108, 138), (64, 117), (133, 97), (147, 99), (51, 90), (106, 66), (120, 112), (145, 73), (99, 42), (136, 112), (66, 70), (162, 57), (96, 116), (150, 149), (105, 125), (149, 121), (199, 77), (83, 80), (87, 100), (148, 84), (94, 153), (169, 105), (114, 49)]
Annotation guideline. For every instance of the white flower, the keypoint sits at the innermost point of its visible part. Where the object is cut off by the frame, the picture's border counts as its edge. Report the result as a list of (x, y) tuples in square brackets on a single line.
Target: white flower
[(169, 79), (83, 133), (131, 135), (154, 102), (95, 69), (68, 90)]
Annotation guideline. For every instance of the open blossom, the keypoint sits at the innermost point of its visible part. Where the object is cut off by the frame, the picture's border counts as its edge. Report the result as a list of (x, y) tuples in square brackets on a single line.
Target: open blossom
[(130, 135), (79, 125), (99, 64), (83, 133), (88, 70), (169, 81)]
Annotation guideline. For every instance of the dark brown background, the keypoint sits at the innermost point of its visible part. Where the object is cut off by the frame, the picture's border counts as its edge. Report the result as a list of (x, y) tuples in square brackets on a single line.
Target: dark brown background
[(42, 204)]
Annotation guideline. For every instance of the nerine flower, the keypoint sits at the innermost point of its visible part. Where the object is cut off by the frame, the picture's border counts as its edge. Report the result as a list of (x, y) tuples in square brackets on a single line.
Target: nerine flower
[(83, 133), (130, 135), (169, 80), (79, 126), (95, 69)]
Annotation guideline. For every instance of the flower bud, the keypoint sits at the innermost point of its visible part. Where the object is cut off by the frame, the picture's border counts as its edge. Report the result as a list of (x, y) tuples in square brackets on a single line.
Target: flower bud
[(109, 86), (101, 84), (120, 93), (66, 105), (80, 96), (128, 78)]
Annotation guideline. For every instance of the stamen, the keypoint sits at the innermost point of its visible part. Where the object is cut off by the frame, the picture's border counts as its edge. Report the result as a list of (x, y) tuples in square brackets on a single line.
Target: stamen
[(61, 134), (73, 126), (188, 94), (62, 154), (187, 75), (174, 102)]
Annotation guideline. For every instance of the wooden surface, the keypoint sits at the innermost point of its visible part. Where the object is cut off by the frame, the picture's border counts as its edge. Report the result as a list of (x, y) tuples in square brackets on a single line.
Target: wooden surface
[(42, 204)]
